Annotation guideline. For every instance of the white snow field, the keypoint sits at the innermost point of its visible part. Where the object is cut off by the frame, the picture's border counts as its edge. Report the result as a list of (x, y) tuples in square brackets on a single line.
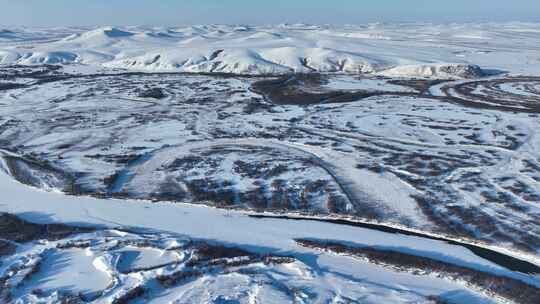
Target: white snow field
[(315, 277), (450, 50), (379, 163)]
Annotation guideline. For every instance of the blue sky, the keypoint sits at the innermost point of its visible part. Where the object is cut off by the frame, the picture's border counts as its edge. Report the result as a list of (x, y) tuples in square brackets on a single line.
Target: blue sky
[(178, 12)]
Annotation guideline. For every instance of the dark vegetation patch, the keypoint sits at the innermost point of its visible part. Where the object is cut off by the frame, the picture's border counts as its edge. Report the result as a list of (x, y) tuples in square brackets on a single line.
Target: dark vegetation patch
[(118, 159), (500, 259), (304, 89), (131, 295), (501, 286), (4, 86), (15, 229), (204, 252), (213, 259), (156, 93), (420, 85), (34, 171), (492, 95), (33, 72), (6, 248)]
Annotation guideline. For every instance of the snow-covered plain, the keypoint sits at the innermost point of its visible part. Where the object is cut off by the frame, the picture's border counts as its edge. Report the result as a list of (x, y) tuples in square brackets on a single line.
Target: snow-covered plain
[(318, 278), (428, 128)]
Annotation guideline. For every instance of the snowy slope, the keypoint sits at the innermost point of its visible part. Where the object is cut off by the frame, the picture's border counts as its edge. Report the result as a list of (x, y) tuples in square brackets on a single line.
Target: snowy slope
[(396, 50)]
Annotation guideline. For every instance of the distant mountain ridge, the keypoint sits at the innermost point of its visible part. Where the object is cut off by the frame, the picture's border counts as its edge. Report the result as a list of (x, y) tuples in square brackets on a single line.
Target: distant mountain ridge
[(457, 51)]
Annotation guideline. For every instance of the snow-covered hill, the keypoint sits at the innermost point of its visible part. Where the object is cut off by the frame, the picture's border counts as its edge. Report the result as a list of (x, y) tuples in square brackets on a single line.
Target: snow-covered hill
[(368, 177), (451, 51)]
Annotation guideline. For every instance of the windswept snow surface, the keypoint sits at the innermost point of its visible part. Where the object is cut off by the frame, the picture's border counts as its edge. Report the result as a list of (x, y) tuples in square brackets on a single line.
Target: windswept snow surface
[(317, 278), (384, 164), (425, 50)]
